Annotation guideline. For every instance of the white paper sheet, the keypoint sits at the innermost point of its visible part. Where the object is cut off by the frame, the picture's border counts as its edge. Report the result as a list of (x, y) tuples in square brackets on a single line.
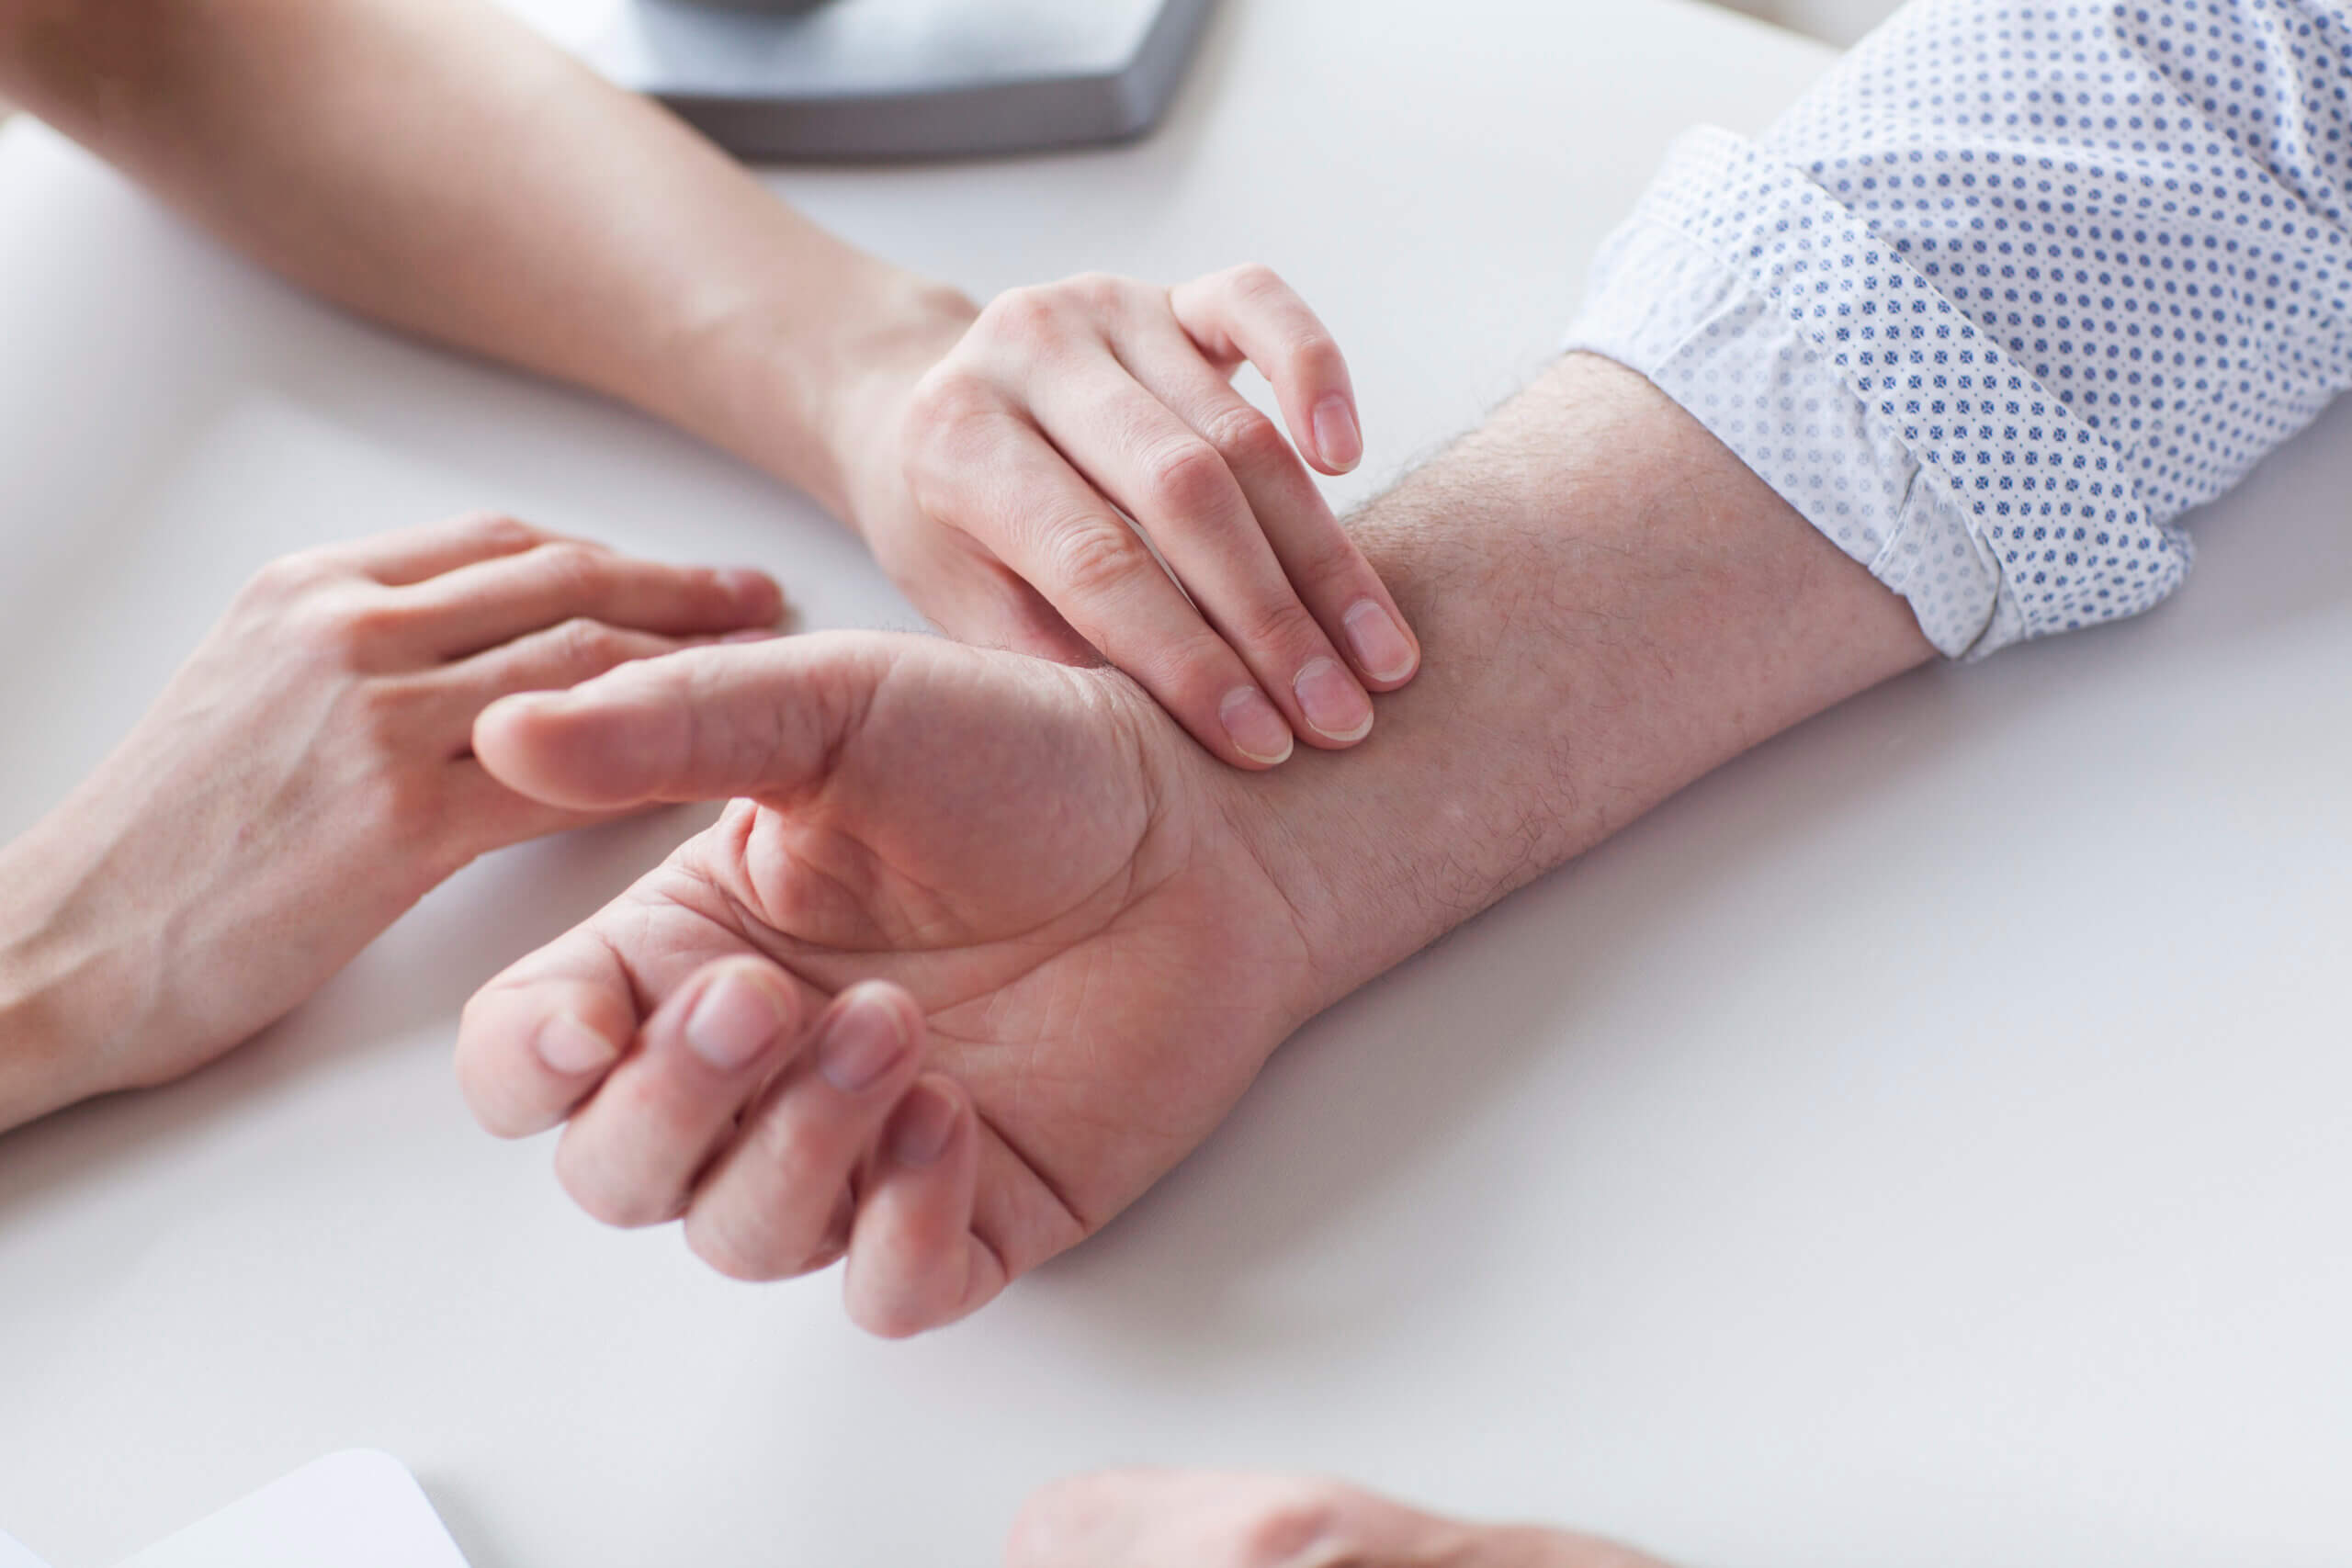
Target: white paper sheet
[(360, 1509), (14, 1553)]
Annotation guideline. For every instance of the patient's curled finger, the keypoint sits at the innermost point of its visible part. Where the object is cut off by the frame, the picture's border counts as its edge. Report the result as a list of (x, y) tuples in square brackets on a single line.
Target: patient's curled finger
[(537, 1039), (914, 1262), (767, 1209), (634, 1150)]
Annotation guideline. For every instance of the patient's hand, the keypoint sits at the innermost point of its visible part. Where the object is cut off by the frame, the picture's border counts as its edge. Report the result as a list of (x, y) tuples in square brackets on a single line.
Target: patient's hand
[(1103, 930), (991, 484), (305, 778), (1038, 869), (1172, 1519)]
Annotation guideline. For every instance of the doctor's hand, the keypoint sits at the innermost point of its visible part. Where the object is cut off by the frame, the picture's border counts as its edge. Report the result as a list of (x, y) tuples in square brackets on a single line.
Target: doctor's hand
[(1175, 1519), (995, 485), (305, 778), (982, 952)]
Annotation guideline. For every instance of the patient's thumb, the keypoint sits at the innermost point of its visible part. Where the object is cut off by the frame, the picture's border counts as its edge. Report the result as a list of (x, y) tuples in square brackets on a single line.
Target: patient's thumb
[(762, 718)]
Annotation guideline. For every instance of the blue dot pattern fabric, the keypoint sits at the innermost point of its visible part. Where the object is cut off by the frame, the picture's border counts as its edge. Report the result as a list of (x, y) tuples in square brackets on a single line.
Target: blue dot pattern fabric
[(2015, 287)]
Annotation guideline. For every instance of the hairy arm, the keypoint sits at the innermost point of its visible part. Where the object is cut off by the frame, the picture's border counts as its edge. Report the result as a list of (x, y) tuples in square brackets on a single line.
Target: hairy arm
[(1612, 605), (436, 165)]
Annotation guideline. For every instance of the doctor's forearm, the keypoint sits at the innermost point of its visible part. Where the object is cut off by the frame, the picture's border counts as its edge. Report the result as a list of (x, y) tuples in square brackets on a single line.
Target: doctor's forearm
[(438, 167)]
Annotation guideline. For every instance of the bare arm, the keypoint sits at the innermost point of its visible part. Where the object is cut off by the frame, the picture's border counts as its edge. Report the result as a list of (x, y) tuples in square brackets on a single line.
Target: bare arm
[(1613, 606), (434, 165)]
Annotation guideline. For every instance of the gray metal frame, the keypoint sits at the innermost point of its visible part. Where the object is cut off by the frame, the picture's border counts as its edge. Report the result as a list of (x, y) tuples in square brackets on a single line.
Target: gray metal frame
[(871, 79)]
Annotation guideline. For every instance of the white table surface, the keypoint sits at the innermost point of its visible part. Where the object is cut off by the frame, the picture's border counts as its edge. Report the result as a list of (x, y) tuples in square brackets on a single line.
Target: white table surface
[(1924, 1142)]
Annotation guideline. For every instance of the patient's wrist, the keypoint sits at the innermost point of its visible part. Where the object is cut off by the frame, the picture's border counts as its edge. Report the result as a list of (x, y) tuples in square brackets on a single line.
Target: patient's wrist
[(1610, 606)]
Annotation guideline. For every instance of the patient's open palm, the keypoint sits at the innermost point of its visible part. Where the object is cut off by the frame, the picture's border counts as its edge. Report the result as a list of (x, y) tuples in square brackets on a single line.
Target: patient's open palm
[(1077, 945)]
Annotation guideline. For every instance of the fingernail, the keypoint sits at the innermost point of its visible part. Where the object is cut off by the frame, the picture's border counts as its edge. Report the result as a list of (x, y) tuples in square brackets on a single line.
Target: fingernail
[(1335, 705), (920, 1132), (569, 1047), (1257, 727), (733, 1023), (757, 634), (861, 1045), (1336, 436), (1380, 643)]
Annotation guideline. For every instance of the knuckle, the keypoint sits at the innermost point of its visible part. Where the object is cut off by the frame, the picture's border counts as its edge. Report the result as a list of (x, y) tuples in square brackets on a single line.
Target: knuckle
[(1097, 291), (1187, 477), (1283, 625), (1298, 1527), (951, 430), (949, 416), (497, 532), (1255, 280), (605, 1200), (571, 569), (1030, 314), (296, 596), (1247, 438), (1094, 557), (1329, 566), (722, 1248), (344, 627), (288, 577), (584, 643), (1316, 356), (896, 1319), (1188, 673), (365, 623), (948, 396)]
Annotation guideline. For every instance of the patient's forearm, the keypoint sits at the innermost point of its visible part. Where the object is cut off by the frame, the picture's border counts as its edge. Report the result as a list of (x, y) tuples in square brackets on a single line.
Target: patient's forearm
[(1611, 605), (434, 165)]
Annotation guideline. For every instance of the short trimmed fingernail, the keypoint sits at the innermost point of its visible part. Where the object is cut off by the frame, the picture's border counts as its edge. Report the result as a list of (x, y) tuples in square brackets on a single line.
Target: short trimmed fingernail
[(1379, 642), (1336, 436), (862, 1043), (569, 1047), (756, 634), (920, 1132), (733, 1023), (1334, 704), (1257, 729)]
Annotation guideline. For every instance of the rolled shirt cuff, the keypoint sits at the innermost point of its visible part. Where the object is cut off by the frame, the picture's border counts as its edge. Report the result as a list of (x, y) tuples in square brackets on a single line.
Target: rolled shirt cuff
[(1871, 404)]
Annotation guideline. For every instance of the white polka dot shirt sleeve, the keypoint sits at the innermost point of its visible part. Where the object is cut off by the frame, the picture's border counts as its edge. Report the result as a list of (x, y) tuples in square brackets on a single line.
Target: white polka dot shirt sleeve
[(2015, 287)]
